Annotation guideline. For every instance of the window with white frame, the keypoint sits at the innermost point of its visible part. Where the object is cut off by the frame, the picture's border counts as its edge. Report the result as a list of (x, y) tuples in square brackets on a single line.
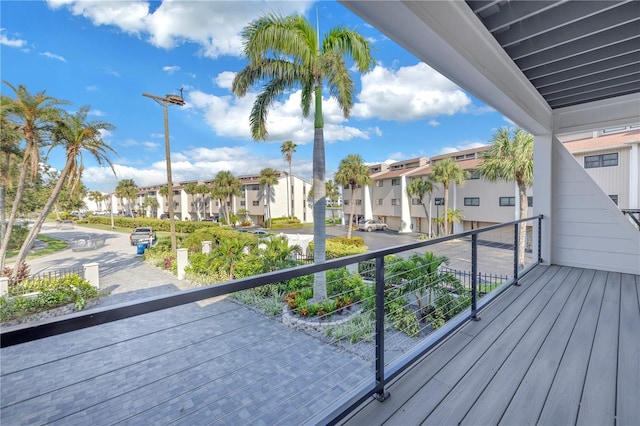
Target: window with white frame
[(379, 183), (395, 181), (379, 201), (358, 202), (395, 201)]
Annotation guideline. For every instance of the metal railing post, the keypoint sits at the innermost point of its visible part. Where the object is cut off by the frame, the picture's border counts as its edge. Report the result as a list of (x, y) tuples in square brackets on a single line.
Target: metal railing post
[(474, 277), (539, 239), (516, 247), (380, 393)]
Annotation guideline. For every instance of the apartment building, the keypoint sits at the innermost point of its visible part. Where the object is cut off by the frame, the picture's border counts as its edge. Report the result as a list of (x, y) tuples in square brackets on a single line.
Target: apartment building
[(611, 157), (253, 203)]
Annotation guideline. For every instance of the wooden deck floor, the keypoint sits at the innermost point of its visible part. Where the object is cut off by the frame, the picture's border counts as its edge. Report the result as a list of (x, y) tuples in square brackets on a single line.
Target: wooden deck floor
[(563, 348)]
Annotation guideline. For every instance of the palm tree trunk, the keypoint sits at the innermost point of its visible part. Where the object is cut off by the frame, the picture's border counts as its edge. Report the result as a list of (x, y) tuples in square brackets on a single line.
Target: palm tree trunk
[(14, 212), (353, 211), (522, 231), (33, 232), (446, 207), (319, 203)]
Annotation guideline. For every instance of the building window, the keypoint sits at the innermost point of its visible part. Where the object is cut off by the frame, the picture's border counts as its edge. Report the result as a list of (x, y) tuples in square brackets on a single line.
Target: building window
[(395, 201), (602, 160), (379, 201), (614, 198), (256, 203), (254, 187), (358, 202), (529, 201), (472, 201), (415, 201), (345, 202), (243, 203), (379, 183), (395, 181), (438, 201), (507, 201), (474, 175)]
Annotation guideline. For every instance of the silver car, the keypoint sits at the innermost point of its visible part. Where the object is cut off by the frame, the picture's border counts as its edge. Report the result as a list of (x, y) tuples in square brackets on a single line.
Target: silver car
[(372, 225)]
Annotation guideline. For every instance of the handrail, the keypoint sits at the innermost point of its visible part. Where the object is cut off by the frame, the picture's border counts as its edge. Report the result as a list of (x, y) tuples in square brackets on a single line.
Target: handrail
[(375, 387), (634, 214)]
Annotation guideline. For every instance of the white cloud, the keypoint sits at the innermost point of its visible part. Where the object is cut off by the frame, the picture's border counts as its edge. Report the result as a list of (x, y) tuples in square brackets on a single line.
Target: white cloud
[(225, 79), (171, 69), (6, 41), (54, 56), (409, 93), (214, 25), (434, 123)]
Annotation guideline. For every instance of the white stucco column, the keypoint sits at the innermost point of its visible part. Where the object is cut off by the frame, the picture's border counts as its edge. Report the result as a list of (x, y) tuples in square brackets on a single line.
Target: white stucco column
[(634, 176), (405, 207), (516, 191), (368, 208), (92, 273), (206, 247), (183, 261), (543, 193)]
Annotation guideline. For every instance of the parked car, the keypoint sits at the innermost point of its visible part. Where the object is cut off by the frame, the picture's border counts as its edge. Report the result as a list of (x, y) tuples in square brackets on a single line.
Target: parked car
[(87, 242), (143, 235), (372, 225)]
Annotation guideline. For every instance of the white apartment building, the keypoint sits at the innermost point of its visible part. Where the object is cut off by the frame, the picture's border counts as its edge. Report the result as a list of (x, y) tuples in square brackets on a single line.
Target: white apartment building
[(252, 203), (611, 158)]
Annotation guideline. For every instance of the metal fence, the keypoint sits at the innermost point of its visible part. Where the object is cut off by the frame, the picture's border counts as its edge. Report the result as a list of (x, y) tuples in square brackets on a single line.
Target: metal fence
[(261, 368)]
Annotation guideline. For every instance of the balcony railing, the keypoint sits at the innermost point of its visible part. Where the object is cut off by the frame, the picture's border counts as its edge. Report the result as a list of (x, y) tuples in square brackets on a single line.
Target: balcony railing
[(408, 294), (634, 216)]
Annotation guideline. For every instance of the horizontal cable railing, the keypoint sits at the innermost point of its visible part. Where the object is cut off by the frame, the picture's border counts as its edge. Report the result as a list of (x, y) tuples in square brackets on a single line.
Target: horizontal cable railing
[(266, 350)]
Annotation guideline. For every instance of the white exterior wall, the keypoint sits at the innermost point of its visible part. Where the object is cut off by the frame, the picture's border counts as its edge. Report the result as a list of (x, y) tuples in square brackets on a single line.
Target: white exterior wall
[(589, 231), (614, 180)]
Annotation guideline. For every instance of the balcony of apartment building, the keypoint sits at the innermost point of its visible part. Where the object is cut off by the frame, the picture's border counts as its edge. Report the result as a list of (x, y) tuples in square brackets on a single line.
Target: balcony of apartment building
[(551, 339)]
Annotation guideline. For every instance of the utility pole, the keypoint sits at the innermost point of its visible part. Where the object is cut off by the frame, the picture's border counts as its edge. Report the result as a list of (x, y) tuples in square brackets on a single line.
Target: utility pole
[(164, 101)]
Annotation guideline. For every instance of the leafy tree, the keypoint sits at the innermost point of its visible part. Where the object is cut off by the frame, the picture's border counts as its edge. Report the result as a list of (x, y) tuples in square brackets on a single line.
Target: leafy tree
[(268, 178), (286, 53), (76, 136), (446, 172), (32, 117), (422, 188), (224, 187), (277, 254), (127, 190), (510, 158), (453, 216), (287, 150), (152, 203), (97, 197), (11, 155), (332, 191), (192, 189), (353, 172)]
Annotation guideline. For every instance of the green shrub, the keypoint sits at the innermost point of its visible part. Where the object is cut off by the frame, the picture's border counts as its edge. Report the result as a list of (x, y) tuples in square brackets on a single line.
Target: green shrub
[(360, 328), (335, 249), (53, 293)]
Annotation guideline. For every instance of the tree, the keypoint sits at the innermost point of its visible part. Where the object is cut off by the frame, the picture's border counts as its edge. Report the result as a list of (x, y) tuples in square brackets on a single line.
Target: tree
[(192, 189), (268, 178), (127, 190), (96, 197), (353, 172), (76, 136), (453, 216), (333, 195), (202, 190), (32, 116), (151, 203), (286, 53), (421, 188), (446, 172), (11, 155), (287, 150), (224, 187), (510, 158)]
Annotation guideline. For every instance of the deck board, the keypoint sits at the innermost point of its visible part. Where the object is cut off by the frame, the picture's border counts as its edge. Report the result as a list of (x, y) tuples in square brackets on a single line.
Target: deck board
[(563, 348)]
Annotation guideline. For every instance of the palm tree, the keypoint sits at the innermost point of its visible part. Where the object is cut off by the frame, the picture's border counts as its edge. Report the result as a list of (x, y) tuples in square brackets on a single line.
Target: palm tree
[(76, 136), (127, 190), (202, 190), (453, 216), (510, 158), (287, 150), (421, 188), (353, 172), (32, 117), (286, 53), (97, 197), (224, 187), (191, 188), (11, 154), (446, 172), (152, 203), (333, 195), (268, 178)]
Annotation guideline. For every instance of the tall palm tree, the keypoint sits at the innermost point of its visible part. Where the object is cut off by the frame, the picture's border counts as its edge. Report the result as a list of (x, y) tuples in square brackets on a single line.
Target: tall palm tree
[(191, 188), (202, 190), (333, 195), (286, 53), (76, 136), (32, 116), (11, 154), (287, 150), (96, 197), (353, 172), (126, 189), (224, 187), (151, 203), (510, 158), (422, 188), (268, 178), (446, 172)]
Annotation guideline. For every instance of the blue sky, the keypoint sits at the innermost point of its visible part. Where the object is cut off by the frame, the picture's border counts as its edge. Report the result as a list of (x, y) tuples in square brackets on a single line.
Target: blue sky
[(107, 54)]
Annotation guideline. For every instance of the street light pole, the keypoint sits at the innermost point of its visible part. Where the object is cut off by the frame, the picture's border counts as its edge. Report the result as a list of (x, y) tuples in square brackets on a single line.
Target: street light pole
[(174, 100)]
